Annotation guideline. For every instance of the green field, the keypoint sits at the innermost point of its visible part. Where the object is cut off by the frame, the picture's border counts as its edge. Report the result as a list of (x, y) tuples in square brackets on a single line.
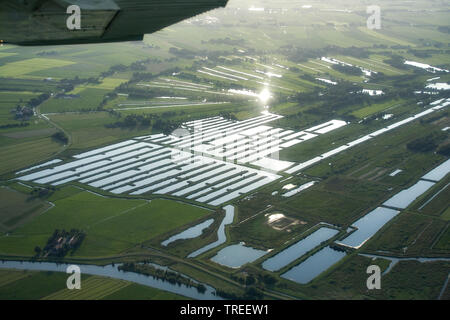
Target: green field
[(338, 201), (88, 129), (32, 285), (368, 111), (408, 280), (409, 234), (438, 205), (444, 241), (23, 154), (27, 285), (24, 67), (111, 225), (86, 99), (9, 101), (446, 214), (16, 208), (93, 288)]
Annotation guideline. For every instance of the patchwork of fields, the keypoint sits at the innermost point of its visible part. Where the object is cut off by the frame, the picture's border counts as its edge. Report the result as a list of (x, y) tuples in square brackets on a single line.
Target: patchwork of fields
[(15, 285)]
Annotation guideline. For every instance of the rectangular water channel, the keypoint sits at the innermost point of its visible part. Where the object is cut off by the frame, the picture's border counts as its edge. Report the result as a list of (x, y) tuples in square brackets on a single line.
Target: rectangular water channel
[(438, 173), (404, 198), (314, 265), (235, 256), (367, 226), (298, 249)]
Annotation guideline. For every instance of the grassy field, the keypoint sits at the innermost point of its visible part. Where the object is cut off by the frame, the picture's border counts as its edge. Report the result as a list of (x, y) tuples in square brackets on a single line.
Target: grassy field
[(20, 68), (446, 214), (9, 100), (138, 225), (138, 292), (23, 154), (408, 280), (7, 277), (444, 240), (376, 108), (17, 208), (12, 84), (337, 201), (106, 84), (32, 285), (111, 225), (409, 234), (438, 205), (87, 99), (88, 129), (415, 280), (93, 288), (27, 285)]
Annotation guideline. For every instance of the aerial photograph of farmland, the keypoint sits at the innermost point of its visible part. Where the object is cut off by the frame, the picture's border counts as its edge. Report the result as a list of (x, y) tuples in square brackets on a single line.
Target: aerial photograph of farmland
[(224, 150)]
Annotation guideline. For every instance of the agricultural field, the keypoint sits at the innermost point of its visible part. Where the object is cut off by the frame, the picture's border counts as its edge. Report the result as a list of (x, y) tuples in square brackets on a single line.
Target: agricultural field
[(112, 225), (424, 280), (87, 99), (17, 208), (409, 234), (28, 66), (251, 129), (25, 153), (53, 287)]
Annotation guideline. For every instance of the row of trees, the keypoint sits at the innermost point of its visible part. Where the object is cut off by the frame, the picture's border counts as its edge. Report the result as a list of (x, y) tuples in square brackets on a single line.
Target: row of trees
[(157, 122), (135, 66), (301, 54), (350, 70), (60, 137), (165, 275)]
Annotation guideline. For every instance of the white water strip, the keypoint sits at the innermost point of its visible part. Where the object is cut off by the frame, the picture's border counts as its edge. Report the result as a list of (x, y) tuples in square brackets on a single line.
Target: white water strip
[(349, 145)]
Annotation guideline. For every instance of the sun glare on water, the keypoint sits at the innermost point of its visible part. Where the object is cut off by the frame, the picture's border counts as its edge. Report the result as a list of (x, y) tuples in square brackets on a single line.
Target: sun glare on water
[(265, 96)]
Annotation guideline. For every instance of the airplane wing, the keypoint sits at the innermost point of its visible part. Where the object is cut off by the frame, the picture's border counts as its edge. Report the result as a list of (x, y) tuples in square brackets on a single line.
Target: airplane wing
[(53, 22)]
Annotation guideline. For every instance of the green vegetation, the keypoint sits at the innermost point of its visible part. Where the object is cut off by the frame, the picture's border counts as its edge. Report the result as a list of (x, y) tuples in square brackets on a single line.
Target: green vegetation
[(110, 225), (58, 101), (444, 241), (21, 155), (376, 108), (17, 208), (409, 234), (258, 232), (60, 243), (20, 68), (27, 285), (436, 203), (338, 201), (86, 100), (407, 280), (138, 292), (165, 275), (93, 288), (33, 285)]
